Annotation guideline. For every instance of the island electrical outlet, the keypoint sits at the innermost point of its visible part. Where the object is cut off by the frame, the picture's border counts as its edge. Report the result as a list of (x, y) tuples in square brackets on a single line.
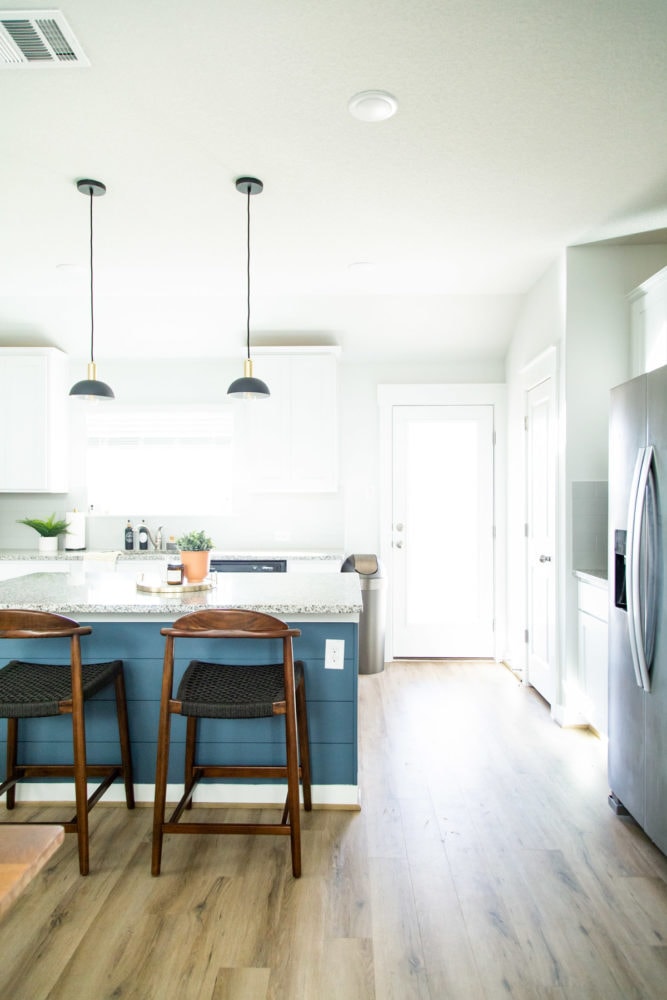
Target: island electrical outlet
[(334, 654)]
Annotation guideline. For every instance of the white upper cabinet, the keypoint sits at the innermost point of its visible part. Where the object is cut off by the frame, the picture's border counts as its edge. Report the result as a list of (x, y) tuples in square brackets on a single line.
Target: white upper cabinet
[(290, 440), (33, 410), (648, 310)]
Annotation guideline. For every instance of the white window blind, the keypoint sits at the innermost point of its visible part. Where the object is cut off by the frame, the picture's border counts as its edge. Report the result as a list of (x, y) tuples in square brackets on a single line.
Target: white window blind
[(160, 459)]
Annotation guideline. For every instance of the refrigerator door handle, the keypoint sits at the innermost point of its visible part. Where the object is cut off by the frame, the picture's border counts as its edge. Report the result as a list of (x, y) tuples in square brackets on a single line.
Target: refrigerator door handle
[(637, 614), (650, 599), (630, 562)]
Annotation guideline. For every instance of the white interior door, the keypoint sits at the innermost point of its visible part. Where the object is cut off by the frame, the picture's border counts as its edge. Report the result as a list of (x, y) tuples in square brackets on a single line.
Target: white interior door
[(540, 537), (442, 531)]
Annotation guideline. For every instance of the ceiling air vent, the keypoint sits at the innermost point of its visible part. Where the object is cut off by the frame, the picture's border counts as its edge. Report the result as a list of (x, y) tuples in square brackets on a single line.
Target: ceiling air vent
[(36, 39)]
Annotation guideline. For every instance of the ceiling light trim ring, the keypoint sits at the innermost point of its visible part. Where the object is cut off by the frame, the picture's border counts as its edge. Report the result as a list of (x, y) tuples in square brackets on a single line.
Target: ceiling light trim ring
[(373, 105)]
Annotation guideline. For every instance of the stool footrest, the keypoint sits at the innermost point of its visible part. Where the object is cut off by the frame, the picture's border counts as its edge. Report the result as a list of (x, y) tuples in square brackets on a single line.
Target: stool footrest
[(242, 828)]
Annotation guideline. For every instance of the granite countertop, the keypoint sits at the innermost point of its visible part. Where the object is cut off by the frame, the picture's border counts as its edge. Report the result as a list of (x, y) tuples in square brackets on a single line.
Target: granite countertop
[(79, 554), (105, 592)]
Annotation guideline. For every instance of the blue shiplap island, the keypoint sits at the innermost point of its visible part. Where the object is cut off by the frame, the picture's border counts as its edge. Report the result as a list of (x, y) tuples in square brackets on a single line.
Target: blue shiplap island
[(126, 624)]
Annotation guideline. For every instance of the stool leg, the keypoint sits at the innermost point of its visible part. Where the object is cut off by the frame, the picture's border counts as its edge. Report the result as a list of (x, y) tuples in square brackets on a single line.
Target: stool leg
[(79, 755), (12, 752), (293, 786), (161, 769), (304, 745), (80, 787), (190, 748), (124, 737)]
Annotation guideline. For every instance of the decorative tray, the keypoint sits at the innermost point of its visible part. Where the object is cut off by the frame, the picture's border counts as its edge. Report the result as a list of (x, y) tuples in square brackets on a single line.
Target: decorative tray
[(156, 586)]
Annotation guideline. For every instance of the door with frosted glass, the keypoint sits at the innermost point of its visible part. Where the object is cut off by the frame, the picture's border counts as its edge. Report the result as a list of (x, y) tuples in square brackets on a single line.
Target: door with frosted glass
[(442, 531)]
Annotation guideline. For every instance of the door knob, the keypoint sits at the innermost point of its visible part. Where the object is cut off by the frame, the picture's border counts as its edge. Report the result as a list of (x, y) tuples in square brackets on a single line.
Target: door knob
[(399, 526), (544, 559), (398, 544)]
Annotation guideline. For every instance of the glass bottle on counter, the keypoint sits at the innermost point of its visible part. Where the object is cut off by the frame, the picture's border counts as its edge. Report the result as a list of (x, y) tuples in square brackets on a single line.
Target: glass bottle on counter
[(174, 572), (129, 537)]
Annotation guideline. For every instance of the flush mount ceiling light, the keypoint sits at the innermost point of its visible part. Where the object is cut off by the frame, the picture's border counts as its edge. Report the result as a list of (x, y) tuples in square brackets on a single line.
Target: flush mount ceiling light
[(91, 387), (372, 106), (248, 387)]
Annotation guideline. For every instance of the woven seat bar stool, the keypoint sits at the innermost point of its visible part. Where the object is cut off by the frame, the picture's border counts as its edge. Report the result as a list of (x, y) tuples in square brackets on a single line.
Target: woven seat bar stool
[(233, 691), (37, 690)]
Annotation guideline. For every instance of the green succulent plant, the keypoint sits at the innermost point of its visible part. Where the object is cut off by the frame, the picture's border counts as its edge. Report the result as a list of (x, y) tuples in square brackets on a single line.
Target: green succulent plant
[(47, 529), (194, 541)]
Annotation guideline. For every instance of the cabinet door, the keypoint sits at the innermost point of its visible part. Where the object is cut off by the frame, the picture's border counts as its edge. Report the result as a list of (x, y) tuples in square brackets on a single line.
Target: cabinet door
[(655, 325), (593, 656), (23, 396), (33, 445), (291, 439), (648, 319)]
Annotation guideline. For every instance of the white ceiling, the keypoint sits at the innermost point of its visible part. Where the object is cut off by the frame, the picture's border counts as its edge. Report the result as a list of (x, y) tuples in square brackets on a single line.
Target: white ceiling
[(524, 126)]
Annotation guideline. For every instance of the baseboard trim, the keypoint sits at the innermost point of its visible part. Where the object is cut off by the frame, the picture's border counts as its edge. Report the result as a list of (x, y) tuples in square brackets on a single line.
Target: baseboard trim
[(324, 796)]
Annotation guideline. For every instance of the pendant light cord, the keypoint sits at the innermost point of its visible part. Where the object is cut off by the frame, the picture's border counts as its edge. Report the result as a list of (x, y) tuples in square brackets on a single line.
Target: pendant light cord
[(248, 279), (92, 311)]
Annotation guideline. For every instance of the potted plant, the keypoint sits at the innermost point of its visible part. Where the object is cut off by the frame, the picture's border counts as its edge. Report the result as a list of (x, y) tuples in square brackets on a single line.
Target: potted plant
[(195, 548), (48, 531)]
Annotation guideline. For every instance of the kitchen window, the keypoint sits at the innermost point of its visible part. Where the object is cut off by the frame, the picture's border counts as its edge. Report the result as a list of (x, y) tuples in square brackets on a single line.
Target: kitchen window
[(159, 459)]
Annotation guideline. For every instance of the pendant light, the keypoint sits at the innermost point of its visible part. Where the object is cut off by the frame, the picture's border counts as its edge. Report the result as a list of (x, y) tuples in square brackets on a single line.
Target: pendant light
[(91, 387), (248, 387)]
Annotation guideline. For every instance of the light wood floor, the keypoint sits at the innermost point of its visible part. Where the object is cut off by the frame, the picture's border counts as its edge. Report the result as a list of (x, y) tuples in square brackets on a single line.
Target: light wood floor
[(485, 863)]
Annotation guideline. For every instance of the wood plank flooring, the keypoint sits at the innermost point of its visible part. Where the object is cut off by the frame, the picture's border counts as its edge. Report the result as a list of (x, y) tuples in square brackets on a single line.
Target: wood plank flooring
[(485, 863)]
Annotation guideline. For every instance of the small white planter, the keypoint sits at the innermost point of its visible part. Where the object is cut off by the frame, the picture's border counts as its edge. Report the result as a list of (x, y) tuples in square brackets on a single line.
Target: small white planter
[(48, 543)]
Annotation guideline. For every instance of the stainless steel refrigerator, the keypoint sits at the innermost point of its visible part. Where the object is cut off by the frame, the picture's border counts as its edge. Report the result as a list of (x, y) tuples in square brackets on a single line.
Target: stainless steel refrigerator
[(637, 612)]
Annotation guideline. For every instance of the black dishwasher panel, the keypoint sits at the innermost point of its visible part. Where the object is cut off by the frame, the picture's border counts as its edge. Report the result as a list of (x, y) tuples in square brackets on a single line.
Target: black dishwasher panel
[(248, 565)]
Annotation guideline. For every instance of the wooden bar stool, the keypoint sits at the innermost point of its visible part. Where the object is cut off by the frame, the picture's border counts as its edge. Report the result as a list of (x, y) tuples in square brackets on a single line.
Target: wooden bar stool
[(37, 690), (233, 691)]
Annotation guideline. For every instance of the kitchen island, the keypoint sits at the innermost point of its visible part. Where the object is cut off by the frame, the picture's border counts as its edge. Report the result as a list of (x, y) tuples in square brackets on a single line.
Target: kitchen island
[(126, 624)]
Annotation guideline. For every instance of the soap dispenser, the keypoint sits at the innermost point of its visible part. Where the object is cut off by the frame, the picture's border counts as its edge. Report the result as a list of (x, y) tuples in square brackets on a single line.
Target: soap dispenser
[(143, 536)]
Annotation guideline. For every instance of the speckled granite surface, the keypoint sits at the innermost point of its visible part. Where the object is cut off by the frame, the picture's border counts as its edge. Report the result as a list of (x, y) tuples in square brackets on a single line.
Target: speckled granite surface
[(79, 554), (106, 592)]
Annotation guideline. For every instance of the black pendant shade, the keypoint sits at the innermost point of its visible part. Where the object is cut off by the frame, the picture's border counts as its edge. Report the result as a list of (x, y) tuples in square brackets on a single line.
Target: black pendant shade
[(248, 387), (91, 387)]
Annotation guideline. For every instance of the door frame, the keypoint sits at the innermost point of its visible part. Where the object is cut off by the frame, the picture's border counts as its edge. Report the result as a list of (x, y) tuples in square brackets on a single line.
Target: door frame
[(491, 394)]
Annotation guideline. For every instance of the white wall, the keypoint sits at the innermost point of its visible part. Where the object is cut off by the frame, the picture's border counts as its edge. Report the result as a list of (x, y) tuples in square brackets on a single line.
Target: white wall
[(360, 451), (580, 307), (347, 520)]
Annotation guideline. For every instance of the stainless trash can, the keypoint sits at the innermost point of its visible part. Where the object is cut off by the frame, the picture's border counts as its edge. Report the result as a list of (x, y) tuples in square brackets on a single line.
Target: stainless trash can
[(372, 618)]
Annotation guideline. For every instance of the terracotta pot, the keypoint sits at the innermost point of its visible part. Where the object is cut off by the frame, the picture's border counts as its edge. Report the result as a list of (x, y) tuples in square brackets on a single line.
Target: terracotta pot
[(195, 565)]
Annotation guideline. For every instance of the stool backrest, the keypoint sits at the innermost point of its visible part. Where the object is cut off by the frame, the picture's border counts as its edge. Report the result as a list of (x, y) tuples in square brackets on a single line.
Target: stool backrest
[(26, 624), (230, 624)]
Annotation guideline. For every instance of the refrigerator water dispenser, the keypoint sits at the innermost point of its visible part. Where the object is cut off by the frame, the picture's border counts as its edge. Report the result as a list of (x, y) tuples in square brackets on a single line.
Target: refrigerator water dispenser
[(620, 598)]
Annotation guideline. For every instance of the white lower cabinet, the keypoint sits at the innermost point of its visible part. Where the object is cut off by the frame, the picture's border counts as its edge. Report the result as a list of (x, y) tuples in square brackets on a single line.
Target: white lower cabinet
[(314, 565), (87, 563), (10, 568), (593, 654)]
